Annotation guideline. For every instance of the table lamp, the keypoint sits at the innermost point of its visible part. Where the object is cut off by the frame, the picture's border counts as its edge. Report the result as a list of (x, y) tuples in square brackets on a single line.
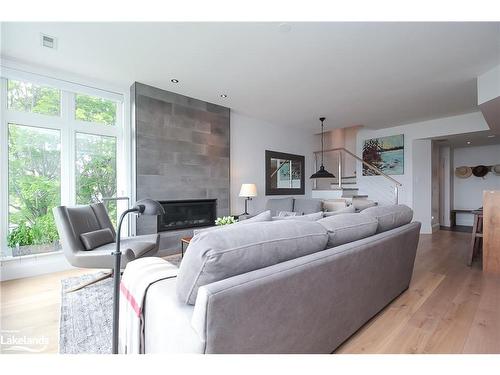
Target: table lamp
[(248, 191)]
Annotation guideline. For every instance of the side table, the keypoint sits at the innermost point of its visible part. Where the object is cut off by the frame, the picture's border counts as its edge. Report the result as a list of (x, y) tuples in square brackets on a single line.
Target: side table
[(185, 241)]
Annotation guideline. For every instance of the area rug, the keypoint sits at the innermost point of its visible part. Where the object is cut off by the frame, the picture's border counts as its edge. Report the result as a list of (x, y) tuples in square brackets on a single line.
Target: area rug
[(86, 315)]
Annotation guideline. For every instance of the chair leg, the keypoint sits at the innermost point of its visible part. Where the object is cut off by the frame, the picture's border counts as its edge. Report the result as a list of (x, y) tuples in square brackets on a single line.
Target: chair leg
[(473, 241), (96, 280)]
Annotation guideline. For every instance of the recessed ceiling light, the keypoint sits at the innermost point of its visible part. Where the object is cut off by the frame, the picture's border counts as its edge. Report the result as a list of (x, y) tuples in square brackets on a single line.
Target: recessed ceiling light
[(223, 95), (491, 136), (468, 142), (173, 80)]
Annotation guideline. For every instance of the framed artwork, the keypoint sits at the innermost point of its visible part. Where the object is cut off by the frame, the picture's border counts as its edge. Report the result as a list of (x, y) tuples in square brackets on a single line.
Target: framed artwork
[(284, 173), (385, 153)]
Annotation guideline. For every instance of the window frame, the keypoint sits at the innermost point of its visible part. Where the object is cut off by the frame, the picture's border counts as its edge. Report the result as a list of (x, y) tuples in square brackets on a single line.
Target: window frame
[(68, 126)]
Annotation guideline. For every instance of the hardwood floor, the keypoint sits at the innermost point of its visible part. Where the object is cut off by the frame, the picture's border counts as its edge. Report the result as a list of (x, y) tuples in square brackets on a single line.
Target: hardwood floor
[(449, 307)]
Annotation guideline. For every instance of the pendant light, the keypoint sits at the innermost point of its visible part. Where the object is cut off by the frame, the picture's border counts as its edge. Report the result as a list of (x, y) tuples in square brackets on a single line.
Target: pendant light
[(322, 172)]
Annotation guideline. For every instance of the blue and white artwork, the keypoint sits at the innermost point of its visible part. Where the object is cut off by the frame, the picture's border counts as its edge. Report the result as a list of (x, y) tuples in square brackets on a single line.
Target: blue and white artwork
[(385, 153)]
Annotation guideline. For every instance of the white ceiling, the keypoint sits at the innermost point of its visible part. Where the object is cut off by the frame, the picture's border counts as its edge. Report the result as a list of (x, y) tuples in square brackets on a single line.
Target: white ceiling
[(373, 74)]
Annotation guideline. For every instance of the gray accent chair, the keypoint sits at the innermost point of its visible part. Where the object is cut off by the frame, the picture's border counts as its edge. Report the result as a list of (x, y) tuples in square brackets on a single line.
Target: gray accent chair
[(72, 222)]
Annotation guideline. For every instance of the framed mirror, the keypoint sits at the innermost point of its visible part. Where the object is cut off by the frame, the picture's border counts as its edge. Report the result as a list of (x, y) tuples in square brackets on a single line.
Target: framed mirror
[(284, 173)]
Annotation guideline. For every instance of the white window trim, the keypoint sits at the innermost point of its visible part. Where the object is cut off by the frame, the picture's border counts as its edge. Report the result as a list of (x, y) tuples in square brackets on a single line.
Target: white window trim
[(68, 86)]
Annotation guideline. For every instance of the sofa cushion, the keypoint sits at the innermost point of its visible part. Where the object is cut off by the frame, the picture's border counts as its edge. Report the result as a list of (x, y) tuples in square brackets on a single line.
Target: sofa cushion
[(263, 216), (345, 210), (275, 205), (334, 205), (348, 228), (310, 217), (96, 238), (361, 204), (390, 217), (237, 249), (304, 206)]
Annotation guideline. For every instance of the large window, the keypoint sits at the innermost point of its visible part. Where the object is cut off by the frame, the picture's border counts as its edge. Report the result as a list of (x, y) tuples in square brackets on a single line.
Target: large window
[(61, 147), (27, 97), (95, 170), (34, 188)]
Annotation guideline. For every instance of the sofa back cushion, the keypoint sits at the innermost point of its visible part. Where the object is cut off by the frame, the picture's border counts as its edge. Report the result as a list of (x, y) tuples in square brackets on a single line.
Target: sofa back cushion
[(345, 228), (361, 204), (263, 216), (331, 205), (340, 211), (390, 217), (304, 206), (276, 205), (237, 249)]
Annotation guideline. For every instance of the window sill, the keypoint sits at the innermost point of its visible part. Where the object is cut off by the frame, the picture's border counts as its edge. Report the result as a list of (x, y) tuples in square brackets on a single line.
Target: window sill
[(29, 257)]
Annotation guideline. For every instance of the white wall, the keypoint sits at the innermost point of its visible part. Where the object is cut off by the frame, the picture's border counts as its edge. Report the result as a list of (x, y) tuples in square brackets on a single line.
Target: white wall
[(250, 138), (468, 192), (442, 127), (445, 185), (422, 183)]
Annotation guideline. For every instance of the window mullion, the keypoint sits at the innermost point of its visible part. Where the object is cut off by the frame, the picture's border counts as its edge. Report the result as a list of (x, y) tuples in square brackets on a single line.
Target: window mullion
[(67, 150), (4, 190)]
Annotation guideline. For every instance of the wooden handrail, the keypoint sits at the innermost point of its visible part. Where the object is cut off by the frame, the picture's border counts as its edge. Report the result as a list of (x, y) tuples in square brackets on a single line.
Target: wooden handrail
[(371, 166)]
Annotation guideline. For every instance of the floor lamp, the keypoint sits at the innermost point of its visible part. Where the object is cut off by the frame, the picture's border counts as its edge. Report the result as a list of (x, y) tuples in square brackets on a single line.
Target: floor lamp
[(142, 207)]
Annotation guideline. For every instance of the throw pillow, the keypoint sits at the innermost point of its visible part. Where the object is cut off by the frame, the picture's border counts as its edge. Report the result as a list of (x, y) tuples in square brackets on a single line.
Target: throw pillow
[(310, 217), (363, 204), (97, 238), (334, 205), (263, 216), (287, 213), (345, 210)]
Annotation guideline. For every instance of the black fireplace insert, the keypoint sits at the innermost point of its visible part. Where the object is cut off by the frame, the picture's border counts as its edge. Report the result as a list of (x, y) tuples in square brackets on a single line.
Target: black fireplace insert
[(187, 214)]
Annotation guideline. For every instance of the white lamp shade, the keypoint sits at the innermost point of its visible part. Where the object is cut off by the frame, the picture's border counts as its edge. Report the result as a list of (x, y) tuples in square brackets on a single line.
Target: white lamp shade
[(248, 190)]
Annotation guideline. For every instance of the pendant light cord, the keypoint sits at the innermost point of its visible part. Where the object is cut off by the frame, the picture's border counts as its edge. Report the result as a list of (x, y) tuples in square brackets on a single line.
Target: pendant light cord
[(322, 142)]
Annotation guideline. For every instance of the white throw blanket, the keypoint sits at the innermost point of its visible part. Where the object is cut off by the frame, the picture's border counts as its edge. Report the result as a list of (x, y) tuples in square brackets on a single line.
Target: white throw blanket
[(139, 275)]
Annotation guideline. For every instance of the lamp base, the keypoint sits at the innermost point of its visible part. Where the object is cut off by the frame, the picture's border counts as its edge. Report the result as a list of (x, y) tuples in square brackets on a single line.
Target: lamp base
[(246, 206)]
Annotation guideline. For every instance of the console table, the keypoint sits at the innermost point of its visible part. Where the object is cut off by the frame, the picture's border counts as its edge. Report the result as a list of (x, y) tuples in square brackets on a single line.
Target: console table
[(453, 215)]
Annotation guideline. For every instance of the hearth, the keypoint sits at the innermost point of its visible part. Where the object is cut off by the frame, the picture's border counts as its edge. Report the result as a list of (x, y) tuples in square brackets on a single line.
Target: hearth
[(191, 213)]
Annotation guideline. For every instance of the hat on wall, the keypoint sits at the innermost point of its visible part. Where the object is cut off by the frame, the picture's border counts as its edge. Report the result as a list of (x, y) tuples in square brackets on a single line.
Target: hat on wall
[(480, 171), (463, 172), (496, 169)]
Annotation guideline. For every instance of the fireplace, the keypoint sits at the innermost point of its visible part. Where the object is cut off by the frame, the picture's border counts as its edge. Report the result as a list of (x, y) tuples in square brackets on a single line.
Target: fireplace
[(187, 214)]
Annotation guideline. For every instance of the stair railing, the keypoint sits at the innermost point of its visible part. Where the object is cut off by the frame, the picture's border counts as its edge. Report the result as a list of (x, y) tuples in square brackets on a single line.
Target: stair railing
[(370, 166)]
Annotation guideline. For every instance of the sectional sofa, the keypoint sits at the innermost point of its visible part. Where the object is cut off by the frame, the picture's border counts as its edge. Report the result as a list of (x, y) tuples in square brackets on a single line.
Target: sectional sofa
[(282, 286)]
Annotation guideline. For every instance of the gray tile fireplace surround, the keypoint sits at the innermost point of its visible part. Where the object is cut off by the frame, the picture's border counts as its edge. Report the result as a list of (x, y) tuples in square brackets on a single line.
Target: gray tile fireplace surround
[(182, 152)]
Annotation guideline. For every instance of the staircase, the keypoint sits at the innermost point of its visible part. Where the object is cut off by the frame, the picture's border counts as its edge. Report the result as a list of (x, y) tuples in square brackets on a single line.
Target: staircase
[(385, 190)]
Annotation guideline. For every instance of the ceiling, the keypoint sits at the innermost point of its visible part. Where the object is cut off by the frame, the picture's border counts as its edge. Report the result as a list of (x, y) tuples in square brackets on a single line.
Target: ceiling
[(372, 74), (483, 138)]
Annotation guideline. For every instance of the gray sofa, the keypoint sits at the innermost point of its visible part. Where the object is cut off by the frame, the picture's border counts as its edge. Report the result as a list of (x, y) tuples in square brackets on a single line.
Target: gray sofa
[(282, 286)]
